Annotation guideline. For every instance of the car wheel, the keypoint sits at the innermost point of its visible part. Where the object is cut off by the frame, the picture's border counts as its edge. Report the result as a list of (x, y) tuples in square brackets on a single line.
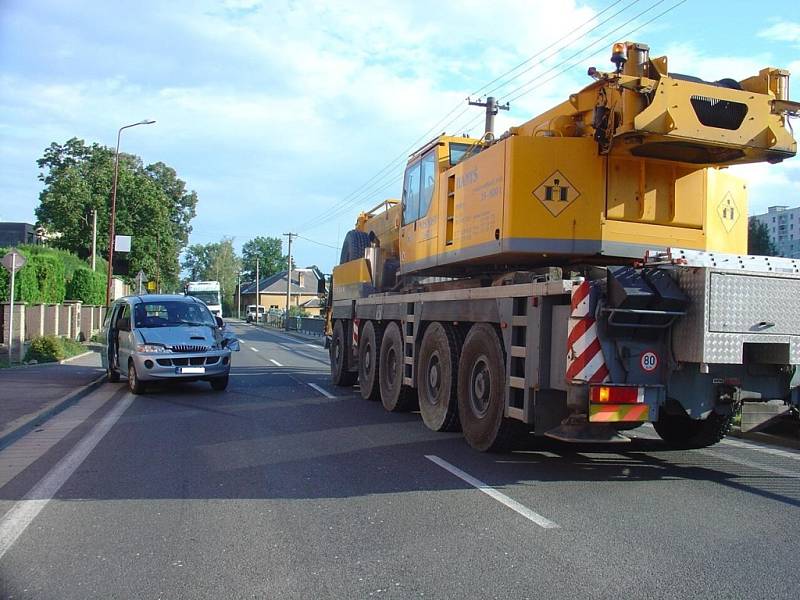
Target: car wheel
[(134, 384), (218, 384)]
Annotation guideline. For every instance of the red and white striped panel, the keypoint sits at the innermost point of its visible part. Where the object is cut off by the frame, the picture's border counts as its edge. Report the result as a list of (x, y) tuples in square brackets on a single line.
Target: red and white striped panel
[(355, 331), (585, 360)]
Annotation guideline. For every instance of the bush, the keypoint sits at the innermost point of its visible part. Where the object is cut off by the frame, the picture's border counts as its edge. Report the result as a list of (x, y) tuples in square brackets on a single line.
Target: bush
[(87, 286), (48, 348), (51, 348)]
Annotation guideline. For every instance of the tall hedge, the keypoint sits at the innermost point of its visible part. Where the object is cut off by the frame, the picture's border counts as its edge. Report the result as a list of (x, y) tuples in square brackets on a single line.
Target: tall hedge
[(87, 286), (44, 278), (50, 274)]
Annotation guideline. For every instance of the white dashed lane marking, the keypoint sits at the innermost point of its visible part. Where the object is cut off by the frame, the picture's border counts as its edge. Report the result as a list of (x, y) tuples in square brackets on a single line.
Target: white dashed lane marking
[(275, 362), (322, 391), (493, 493)]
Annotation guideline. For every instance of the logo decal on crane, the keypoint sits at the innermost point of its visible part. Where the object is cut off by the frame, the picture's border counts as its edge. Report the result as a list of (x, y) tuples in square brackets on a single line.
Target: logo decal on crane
[(728, 211), (556, 193)]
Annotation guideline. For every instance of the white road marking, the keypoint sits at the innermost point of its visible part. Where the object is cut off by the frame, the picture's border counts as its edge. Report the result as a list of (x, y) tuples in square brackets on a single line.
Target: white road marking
[(315, 346), (22, 514), (253, 349), (322, 391), (493, 493), (763, 449), (275, 362), (753, 465)]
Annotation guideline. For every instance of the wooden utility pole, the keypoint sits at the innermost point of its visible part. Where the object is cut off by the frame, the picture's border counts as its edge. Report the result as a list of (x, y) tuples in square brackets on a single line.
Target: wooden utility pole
[(288, 281)]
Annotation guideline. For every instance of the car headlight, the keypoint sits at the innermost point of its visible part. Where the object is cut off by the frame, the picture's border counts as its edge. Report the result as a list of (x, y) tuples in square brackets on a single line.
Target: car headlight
[(151, 348)]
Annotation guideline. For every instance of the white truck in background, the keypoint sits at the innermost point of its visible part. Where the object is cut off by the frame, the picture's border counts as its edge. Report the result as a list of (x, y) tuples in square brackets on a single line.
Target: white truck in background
[(209, 292)]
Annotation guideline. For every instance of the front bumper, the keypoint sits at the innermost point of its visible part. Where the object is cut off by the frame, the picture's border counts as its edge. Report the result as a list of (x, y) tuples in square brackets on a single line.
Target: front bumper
[(154, 366)]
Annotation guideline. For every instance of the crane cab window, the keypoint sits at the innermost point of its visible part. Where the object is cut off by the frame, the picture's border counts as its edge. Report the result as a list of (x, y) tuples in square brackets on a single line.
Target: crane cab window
[(418, 188), (459, 152)]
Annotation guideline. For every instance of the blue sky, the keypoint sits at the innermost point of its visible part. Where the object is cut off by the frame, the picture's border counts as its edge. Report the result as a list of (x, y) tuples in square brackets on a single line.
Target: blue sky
[(293, 115)]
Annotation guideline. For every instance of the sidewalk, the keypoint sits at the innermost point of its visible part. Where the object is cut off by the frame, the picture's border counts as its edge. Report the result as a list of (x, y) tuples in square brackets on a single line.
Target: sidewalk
[(30, 395)]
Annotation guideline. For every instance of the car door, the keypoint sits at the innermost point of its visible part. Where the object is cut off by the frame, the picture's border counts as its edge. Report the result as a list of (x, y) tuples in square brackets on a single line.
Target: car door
[(125, 337)]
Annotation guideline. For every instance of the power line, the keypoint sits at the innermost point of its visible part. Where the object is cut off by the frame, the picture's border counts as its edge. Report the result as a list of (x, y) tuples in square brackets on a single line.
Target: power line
[(365, 189), (369, 190), (297, 235)]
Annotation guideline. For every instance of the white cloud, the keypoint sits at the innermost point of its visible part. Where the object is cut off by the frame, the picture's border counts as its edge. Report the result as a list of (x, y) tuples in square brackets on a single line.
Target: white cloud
[(782, 31)]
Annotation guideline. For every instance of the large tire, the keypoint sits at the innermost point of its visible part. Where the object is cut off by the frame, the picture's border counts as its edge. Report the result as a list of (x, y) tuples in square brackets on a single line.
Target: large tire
[(135, 385), (679, 431), (339, 353), (369, 346), (395, 397), (437, 384), (355, 242), (481, 390)]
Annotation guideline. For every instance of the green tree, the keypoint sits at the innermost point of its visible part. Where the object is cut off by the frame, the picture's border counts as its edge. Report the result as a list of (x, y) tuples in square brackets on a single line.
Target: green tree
[(758, 240), (216, 261), (269, 252), (153, 205)]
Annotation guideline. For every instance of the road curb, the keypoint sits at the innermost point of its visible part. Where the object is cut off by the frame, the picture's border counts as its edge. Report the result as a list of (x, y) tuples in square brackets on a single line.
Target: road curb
[(55, 407)]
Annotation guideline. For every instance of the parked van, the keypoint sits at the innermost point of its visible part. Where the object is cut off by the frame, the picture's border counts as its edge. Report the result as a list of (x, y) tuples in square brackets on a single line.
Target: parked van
[(252, 311)]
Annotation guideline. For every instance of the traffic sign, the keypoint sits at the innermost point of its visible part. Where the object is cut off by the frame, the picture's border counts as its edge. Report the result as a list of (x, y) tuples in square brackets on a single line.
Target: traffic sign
[(14, 261)]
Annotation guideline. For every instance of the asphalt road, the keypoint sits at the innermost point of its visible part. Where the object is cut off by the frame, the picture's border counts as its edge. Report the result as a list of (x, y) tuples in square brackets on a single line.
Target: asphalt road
[(277, 489)]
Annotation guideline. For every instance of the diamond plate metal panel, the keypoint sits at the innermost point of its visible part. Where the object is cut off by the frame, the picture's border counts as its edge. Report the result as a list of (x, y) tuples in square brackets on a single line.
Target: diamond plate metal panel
[(754, 304), (736, 300)]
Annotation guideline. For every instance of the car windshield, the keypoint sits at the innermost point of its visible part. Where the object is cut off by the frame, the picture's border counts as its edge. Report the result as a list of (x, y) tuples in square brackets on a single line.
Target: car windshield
[(172, 313)]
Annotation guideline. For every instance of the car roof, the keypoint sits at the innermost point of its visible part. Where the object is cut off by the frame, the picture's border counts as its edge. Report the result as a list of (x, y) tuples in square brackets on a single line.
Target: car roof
[(142, 298)]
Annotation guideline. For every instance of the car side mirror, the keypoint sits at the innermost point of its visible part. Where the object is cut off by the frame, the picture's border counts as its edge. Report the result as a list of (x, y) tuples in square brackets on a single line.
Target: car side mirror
[(220, 322), (124, 324)]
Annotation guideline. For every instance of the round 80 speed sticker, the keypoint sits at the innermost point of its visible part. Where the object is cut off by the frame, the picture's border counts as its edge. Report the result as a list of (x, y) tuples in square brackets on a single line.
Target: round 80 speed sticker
[(649, 361)]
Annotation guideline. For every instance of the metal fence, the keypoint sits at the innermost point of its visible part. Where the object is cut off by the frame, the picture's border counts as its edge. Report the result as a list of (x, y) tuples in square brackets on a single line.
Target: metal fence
[(309, 325)]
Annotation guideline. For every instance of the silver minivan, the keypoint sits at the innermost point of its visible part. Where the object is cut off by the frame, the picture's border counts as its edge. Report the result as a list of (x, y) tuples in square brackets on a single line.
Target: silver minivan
[(165, 337)]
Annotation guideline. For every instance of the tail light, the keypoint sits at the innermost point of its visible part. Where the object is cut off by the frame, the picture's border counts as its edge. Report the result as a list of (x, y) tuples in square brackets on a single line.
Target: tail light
[(616, 394)]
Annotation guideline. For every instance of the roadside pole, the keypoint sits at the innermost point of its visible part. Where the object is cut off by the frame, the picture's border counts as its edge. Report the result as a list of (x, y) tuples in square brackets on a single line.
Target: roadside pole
[(94, 240), (13, 261), (258, 291), (288, 282), (11, 298)]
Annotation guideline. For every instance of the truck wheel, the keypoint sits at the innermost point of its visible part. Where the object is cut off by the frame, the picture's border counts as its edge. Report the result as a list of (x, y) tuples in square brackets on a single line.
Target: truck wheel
[(339, 363), (394, 396), (369, 345), (481, 387), (679, 431), (353, 246), (437, 384)]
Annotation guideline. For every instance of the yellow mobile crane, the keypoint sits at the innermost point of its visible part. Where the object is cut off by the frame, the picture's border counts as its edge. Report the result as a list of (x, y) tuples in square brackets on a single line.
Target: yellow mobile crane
[(582, 273)]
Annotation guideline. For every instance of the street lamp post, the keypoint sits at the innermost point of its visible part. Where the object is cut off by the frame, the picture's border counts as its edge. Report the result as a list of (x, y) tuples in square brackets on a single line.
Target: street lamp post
[(114, 207)]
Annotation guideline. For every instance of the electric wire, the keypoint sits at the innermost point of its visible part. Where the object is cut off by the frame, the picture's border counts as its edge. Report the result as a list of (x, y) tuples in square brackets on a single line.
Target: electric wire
[(379, 183), (365, 189)]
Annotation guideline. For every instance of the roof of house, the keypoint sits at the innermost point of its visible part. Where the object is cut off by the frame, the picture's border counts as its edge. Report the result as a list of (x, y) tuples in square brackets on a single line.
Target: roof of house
[(276, 284), (312, 303)]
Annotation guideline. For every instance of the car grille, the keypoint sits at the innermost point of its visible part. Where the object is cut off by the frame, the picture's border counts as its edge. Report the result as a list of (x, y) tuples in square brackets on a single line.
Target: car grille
[(188, 348), (185, 362)]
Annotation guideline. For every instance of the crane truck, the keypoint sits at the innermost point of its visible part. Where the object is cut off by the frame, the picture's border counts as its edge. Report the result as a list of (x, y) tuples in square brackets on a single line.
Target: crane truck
[(582, 274)]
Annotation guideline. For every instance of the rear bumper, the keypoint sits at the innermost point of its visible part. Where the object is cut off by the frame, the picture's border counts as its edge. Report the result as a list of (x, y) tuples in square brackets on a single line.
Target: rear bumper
[(168, 365)]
